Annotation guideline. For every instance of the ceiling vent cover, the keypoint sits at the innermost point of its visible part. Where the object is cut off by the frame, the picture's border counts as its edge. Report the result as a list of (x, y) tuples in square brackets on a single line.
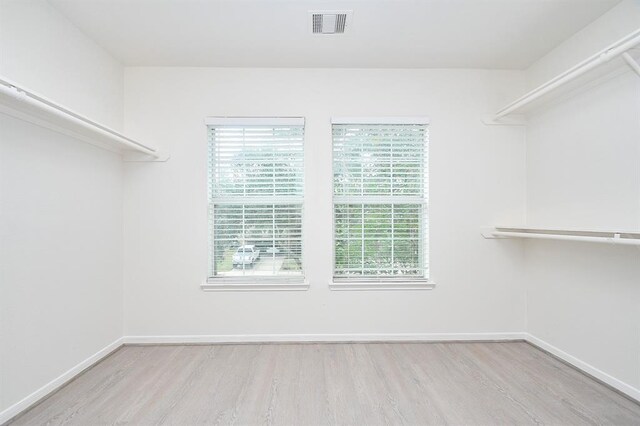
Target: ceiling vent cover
[(330, 22)]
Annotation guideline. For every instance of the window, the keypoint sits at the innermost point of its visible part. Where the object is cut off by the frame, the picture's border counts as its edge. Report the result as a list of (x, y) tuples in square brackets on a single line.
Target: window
[(380, 196), (256, 185)]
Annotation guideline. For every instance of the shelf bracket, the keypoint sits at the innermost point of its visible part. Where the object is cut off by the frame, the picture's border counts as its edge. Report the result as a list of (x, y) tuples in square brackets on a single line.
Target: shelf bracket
[(487, 232), (511, 120), (632, 62)]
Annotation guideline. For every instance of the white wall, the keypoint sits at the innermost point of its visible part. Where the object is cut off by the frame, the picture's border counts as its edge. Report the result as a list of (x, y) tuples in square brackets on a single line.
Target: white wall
[(61, 255), (477, 178), (583, 171), (60, 207), (43, 51)]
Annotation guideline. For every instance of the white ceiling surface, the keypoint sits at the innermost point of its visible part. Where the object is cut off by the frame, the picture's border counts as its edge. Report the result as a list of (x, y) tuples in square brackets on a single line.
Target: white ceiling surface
[(508, 34)]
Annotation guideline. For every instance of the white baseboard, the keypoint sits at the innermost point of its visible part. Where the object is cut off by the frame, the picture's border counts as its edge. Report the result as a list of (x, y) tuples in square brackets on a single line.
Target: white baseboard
[(58, 382), (600, 375), (324, 338)]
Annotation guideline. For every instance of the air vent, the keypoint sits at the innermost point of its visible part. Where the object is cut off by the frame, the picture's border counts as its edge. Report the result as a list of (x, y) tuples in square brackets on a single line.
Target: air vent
[(330, 22)]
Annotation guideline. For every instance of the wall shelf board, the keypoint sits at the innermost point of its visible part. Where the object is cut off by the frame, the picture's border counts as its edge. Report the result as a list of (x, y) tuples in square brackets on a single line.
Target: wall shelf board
[(29, 106), (595, 236)]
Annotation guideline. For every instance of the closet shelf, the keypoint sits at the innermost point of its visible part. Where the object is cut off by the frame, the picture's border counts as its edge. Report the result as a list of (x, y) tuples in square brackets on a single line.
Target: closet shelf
[(593, 236), (26, 105), (591, 69)]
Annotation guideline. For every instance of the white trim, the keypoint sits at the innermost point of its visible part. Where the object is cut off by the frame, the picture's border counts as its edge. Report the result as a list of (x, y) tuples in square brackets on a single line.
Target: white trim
[(380, 120), (584, 367), (325, 338), (32, 399), (221, 284), (372, 285), (254, 121)]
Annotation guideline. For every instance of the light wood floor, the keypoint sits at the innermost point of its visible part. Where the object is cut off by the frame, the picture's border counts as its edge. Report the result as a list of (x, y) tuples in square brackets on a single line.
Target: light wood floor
[(329, 384)]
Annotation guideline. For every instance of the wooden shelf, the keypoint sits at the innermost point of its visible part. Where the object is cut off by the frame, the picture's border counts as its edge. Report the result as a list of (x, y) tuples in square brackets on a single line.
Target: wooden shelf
[(26, 105)]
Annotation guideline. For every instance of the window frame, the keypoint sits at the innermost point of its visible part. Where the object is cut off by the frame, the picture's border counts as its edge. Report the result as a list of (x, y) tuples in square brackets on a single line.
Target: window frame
[(255, 283), (366, 283)]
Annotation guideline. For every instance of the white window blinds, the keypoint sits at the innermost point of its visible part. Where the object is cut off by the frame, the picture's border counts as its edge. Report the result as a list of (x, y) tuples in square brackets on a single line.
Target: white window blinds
[(380, 196), (256, 170)]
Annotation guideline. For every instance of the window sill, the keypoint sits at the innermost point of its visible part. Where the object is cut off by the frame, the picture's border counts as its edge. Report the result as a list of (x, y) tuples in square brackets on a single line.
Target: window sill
[(255, 285), (381, 285)]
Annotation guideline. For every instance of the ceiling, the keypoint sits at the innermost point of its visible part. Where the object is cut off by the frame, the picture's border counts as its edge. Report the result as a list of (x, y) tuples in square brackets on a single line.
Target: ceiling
[(507, 34)]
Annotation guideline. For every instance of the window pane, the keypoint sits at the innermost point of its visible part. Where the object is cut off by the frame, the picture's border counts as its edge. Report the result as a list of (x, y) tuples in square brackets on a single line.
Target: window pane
[(380, 200), (379, 159), (256, 161), (255, 200), (257, 240), (379, 240)]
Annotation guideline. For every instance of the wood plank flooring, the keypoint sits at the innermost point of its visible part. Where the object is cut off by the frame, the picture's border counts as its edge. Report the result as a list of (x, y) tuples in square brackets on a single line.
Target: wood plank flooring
[(333, 384)]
